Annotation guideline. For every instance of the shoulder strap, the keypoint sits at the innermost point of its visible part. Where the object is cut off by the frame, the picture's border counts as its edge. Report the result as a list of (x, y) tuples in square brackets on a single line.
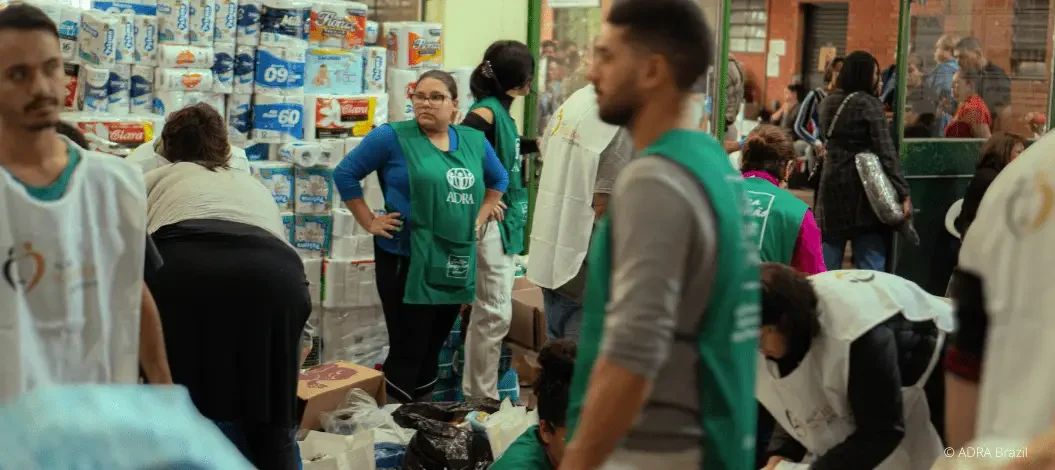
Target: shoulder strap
[(838, 112)]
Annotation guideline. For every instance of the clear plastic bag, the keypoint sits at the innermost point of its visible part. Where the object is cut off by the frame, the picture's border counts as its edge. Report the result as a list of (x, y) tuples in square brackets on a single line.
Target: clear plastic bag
[(359, 412)]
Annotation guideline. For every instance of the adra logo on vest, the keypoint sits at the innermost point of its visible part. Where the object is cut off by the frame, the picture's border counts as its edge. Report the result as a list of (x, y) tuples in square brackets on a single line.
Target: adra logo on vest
[(460, 179)]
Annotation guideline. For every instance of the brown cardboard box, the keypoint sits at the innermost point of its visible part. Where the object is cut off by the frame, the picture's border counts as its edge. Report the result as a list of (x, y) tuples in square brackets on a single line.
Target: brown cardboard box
[(528, 327), (525, 362), (323, 387)]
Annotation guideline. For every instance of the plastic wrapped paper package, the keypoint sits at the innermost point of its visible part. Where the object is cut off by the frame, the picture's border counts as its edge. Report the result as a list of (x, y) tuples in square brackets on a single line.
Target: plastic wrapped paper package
[(414, 45), (96, 39), (357, 335), (311, 234), (313, 271), (248, 28), (118, 89), (183, 79), (278, 119), (223, 68), (287, 225), (239, 117), (277, 177), (95, 88), (244, 69), (350, 284), (202, 21), (280, 70), (174, 21), (338, 117), (338, 24), (68, 20), (313, 190), (226, 27), (284, 23), (333, 71)]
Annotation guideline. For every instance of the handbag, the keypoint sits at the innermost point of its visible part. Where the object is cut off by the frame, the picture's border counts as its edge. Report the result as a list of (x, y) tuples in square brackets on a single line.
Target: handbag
[(878, 189)]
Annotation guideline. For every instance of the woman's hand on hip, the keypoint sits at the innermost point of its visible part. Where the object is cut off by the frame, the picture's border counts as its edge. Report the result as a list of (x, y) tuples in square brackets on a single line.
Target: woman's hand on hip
[(499, 211), (383, 224)]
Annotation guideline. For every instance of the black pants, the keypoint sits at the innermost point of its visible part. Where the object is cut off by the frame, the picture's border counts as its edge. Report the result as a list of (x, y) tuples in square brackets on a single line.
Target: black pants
[(266, 447), (416, 333)]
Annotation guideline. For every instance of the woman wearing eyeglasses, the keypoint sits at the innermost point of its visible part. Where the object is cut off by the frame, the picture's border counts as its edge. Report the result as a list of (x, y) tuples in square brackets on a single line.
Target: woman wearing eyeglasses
[(441, 183)]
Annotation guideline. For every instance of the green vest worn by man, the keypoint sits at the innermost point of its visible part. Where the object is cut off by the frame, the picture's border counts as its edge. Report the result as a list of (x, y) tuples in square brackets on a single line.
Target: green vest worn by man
[(507, 146), (728, 338), (778, 216), (446, 191)]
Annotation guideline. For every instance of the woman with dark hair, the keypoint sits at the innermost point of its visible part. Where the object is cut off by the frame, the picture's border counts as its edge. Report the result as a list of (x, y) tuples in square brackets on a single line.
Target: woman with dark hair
[(845, 367), (807, 123), (998, 152), (542, 447), (75, 135), (441, 185), (232, 292), (972, 118), (788, 234), (855, 122), (504, 74)]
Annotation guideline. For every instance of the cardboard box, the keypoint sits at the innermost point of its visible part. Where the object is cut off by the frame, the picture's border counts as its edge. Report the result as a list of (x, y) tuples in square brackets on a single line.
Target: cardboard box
[(322, 388), (528, 327)]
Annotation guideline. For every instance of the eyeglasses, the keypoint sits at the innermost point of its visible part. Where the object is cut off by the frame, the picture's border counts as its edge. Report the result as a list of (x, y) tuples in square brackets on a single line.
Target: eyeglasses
[(434, 100)]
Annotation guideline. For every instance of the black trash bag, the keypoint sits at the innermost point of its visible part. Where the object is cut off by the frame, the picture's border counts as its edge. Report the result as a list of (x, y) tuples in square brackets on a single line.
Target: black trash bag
[(440, 445)]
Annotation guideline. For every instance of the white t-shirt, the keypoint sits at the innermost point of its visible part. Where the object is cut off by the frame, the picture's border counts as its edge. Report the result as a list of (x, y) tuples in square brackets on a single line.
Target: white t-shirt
[(1013, 252), (72, 278)]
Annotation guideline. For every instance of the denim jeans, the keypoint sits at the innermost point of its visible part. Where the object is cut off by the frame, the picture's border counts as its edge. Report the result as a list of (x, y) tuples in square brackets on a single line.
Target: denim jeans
[(869, 250), (563, 315)]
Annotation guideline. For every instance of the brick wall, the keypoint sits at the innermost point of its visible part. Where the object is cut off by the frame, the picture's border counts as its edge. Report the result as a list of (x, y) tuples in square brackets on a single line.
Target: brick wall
[(872, 26)]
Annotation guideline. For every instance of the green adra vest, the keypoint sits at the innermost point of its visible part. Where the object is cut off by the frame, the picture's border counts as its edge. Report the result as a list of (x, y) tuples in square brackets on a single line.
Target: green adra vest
[(446, 191), (778, 216), (507, 145), (728, 338)]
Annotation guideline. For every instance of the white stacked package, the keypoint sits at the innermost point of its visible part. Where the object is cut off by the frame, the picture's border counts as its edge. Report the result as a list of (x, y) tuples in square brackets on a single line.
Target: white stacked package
[(239, 115), (353, 322), (277, 119), (174, 21), (247, 31), (279, 70), (338, 117), (201, 20), (313, 190), (68, 20), (401, 83), (284, 23), (414, 45), (277, 177), (223, 67), (337, 24), (96, 39), (226, 28)]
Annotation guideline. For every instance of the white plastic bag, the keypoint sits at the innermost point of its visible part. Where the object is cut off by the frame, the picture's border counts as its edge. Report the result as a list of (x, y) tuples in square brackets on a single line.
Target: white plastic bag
[(507, 425), (324, 451)]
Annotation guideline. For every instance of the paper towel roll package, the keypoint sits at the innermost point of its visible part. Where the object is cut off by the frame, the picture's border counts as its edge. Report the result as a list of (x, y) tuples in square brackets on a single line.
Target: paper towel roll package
[(186, 57), (95, 39), (350, 284), (141, 89), (174, 21), (287, 222), (284, 23), (125, 39), (248, 29), (279, 70), (202, 20), (244, 69), (336, 23), (462, 77), (301, 154), (239, 115), (223, 67), (168, 102), (311, 235), (332, 153), (401, 83), (334, 117), (277, 177), (146, 39), (371, 37), (376, 59), (133, 7), (216, 100), (118, 89), (333, 71), (68, 21), (344, 224), (355, 248), (413, 45), (183, 79), (380, 108), (313, 190), (278, 118), (226, 27), (96, 88)]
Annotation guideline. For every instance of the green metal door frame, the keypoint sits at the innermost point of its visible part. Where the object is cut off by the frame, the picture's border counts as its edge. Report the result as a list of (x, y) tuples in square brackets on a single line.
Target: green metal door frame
[(721, 66)]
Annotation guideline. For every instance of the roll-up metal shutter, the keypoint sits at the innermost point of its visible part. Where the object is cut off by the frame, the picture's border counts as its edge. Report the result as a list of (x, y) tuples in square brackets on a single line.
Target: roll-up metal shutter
[(826, 25)]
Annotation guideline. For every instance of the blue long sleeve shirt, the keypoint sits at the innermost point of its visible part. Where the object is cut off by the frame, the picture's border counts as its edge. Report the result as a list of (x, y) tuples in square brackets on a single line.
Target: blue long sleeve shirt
[(808, 115), (940, 80), (380, 151)]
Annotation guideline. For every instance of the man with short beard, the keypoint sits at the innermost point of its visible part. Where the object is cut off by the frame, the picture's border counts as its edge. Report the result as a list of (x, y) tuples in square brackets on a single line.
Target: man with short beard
[(665, 371), (72, 235)]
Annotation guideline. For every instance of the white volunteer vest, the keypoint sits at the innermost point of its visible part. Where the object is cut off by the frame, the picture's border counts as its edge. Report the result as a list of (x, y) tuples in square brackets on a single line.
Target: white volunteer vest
[(72, 278), (563, 218), (811, 403), (1011, 246)]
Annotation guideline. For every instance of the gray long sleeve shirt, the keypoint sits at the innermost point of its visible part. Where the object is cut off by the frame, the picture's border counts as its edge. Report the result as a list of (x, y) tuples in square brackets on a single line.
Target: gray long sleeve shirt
[(664, 252)]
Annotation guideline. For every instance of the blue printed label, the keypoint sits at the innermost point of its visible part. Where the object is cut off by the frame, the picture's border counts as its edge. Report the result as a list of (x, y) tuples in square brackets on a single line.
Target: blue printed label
[(248, 16), (117, 83), (378, 74), (244, 65), (108, 44), (238, 118), (208, 18), (291, 22), (140, 88), (274, 72), (281, 117), (223, 63), (125, 7), (149, 33), (68, 29)]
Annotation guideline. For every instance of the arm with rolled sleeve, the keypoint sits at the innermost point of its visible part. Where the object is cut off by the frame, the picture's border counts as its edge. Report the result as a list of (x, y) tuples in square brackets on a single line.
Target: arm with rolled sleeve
[(495, 175), (804, 118), (369, 156)]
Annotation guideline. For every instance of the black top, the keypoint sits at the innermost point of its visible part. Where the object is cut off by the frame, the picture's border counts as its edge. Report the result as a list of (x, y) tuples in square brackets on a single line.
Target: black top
[(894, 354), (474, 121), (983, 177), (967, 350), (233, 300), (152, 261), (842, 208), (995, 88)]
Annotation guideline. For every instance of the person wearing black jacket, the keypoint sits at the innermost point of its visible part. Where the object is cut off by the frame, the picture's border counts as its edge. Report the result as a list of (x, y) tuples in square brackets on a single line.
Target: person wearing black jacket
[(847, 369), (998, 151), (504, 73)]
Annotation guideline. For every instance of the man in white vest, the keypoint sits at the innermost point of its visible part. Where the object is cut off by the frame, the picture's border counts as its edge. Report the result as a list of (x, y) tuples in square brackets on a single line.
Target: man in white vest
[(845, 367), (72, 235), (999, 384), (582, 156)]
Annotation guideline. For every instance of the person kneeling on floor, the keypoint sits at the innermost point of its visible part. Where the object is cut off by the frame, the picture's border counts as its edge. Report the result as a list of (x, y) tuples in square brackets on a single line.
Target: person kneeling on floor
[(542, 447), (846, 366)]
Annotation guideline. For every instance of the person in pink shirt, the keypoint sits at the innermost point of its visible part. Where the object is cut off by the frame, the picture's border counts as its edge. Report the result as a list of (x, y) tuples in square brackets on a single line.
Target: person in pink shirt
[(787, 232)]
